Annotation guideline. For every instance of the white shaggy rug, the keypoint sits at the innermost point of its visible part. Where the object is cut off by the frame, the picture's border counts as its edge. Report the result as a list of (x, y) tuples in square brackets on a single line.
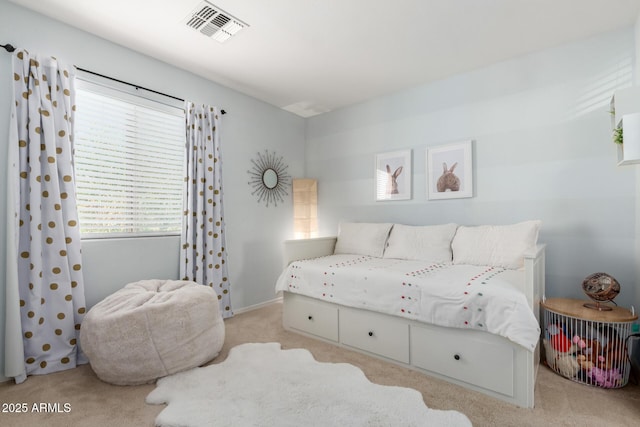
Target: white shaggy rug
[(263, 385)]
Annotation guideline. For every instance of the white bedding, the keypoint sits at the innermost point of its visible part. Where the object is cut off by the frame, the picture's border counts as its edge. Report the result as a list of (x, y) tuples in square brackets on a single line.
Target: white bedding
[(459, 296)]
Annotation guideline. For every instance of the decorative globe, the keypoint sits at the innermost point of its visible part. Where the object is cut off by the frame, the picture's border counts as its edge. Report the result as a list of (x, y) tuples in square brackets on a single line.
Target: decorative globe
[(600, 287)]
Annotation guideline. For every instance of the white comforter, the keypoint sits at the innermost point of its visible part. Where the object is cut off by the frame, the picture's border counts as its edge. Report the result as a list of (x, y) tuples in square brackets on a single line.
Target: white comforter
[(459, 296)]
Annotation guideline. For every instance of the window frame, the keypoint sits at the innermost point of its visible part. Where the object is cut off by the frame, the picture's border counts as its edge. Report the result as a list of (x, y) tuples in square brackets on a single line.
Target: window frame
[(136, 95)]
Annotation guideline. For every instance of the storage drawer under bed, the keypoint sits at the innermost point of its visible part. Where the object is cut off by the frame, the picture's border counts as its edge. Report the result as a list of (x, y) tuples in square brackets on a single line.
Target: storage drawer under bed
[(312, 317), (382, 335), (482, 361)]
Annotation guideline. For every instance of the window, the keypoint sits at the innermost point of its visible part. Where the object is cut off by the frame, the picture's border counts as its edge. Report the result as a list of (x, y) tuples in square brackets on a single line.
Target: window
[(129, 155)]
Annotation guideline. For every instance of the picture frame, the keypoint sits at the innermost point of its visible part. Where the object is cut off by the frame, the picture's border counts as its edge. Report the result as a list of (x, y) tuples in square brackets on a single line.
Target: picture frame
[(393, 176), (450, 171)]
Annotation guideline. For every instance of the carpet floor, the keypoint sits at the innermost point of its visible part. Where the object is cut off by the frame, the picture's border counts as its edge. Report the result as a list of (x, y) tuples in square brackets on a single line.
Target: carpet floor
[(78, 398)]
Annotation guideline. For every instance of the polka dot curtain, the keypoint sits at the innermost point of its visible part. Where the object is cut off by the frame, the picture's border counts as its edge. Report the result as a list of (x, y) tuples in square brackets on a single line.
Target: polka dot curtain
[(203, 256), (45, 293)]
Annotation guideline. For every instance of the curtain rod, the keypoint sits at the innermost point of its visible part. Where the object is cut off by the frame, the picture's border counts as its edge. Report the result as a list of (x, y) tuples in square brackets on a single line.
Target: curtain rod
[(134, 85), (9, 48)]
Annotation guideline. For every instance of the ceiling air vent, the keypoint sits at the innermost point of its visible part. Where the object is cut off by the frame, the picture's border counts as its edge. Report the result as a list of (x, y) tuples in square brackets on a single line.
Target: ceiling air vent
[(213, 22)]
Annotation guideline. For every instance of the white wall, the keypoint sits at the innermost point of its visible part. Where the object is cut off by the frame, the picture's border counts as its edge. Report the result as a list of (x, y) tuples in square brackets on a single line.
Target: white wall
[(542, 151), (254, 233)]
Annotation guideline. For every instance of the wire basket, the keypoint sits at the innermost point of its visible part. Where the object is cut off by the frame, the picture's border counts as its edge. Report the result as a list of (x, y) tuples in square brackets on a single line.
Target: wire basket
[(585, 351)]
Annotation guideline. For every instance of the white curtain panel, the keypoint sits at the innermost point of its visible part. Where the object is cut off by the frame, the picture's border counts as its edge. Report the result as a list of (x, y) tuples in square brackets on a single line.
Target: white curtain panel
[(44, 285), (203, 257)]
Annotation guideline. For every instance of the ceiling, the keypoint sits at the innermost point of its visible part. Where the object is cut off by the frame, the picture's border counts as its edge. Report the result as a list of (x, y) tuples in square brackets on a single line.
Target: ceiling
[(314, 56)]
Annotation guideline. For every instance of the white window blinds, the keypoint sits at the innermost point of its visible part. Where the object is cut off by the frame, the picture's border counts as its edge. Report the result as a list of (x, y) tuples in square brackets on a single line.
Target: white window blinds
[(129, 155)]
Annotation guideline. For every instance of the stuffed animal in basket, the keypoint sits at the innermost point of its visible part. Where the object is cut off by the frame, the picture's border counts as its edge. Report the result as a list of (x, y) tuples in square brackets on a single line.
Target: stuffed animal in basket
[(606, 378), (612, 356), (601, 354), (588, 347), (585, 363), (563, 363), (559, 351), (558, 339)]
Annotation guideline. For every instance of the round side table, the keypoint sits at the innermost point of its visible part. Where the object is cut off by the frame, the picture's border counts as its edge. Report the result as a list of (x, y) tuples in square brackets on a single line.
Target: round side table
[(587, 345)]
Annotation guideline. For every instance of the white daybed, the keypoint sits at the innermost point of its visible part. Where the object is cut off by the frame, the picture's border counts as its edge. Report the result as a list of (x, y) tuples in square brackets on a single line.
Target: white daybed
[(372, 289)]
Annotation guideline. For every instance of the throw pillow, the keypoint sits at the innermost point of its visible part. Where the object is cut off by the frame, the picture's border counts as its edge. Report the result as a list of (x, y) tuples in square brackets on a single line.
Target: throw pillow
[(362, 238)]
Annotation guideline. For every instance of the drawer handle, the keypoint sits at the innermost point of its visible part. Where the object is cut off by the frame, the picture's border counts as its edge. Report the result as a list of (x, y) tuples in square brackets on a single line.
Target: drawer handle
[(370, 333), (456, 356), (310, 317)]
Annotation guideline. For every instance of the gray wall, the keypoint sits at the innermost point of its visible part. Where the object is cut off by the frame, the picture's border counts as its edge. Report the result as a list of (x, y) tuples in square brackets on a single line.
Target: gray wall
[(542, 150), (254, 232)]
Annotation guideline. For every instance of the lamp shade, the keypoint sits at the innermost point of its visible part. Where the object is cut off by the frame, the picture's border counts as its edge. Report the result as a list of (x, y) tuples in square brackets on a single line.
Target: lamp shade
[(305, 208)]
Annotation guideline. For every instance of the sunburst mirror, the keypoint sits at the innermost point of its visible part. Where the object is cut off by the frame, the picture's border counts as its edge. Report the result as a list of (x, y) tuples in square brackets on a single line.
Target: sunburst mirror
[(269, 178)]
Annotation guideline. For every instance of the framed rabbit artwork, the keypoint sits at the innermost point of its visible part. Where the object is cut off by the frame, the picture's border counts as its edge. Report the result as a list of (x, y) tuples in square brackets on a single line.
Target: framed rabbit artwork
[(450, 171), (393, 175)]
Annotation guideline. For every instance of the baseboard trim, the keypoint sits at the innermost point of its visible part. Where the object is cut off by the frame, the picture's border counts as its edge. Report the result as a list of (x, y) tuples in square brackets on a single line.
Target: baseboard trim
[(277, 300)]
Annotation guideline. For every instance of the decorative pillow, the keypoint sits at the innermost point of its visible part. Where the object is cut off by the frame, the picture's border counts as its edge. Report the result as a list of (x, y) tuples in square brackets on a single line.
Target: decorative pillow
[(495, 245), (427, 243), (362, 238)]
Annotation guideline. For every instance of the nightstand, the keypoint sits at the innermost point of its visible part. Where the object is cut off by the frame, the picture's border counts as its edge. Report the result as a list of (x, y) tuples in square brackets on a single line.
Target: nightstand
[(586, 345)]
